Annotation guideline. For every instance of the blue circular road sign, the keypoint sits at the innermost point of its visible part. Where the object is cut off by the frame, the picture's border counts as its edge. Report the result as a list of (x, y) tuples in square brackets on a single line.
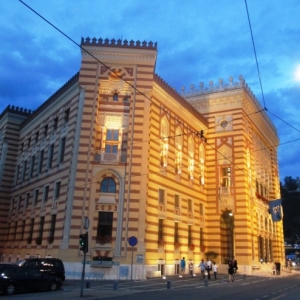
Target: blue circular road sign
[(132, 241)]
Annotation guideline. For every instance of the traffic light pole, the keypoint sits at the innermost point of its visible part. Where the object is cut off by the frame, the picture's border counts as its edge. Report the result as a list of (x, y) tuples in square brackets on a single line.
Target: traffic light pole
[(83, 266)]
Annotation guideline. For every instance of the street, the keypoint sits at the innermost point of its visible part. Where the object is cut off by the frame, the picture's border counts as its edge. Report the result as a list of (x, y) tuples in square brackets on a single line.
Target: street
[(174, 288)]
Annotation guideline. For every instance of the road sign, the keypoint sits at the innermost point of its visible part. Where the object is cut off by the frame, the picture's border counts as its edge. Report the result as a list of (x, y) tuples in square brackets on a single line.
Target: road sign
[(132, 241)]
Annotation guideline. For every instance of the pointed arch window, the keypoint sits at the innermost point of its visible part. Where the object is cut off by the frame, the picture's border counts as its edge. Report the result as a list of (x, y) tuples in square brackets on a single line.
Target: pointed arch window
[(164, 141), (178, 150), (201, 164), (191, 161)]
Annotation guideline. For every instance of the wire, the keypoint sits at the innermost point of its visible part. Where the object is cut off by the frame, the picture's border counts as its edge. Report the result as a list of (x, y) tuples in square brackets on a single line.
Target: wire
[(188, 128), (261, 88)]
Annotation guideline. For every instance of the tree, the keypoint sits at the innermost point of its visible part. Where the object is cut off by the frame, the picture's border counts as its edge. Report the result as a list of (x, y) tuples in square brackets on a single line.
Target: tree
[(290, 184)]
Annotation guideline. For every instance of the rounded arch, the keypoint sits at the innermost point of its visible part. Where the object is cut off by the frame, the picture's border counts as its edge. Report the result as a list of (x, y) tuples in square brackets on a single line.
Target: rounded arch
[(227, 235)]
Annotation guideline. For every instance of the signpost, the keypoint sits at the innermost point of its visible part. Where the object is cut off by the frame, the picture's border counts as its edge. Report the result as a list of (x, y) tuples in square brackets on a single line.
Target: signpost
[(132, 242), (84, 246)]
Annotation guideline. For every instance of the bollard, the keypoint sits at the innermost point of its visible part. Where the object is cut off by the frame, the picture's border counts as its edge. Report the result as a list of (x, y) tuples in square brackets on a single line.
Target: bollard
[(115, 286), (168, 285), (205, 282), (87, 284)]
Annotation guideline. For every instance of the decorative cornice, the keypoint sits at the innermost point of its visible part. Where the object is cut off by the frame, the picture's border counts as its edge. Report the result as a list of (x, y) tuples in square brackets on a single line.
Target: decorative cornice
[(180, 99), (119, 43)]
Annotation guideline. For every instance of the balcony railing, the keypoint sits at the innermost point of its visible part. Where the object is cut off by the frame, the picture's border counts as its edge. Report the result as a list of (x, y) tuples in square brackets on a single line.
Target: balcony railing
[(110, 158)]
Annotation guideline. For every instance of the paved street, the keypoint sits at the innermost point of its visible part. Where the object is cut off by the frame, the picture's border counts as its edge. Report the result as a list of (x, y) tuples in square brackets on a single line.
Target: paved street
[(282, 287)]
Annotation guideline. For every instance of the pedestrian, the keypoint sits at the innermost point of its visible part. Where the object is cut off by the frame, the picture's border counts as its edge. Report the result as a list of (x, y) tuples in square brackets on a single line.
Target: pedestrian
[(208, 267), (191, 269), (235, 266), (215, 269), (202, 268), (182, 266), (230, 271)]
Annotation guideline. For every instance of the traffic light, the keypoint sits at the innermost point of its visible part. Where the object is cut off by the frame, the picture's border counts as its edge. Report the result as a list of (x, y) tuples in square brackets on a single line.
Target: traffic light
[(83, 242)]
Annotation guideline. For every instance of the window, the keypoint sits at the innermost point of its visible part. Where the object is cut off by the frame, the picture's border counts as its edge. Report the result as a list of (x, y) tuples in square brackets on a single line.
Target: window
[(45, 130), (190, 241), (19, 202), (50, 156), (160, 229), (226, 174), (46, 193), (108, 185), (26, 202), (32, 166), (41, 229), (56, 190), (105, 222), (15, 230), (28, 143), (52, 228), (23, 229), (62, 150), (30, 231), (55, 123), (24, 170), (176, 233), (36, 137), (67, 115), (176, 201), (178, 150), (161, 196), (22, 147), (35, 197), (112, 138), (115, 97), (164, 141), (201, 236), (41, 159), (190, 205), (201, 209), (18, 173)]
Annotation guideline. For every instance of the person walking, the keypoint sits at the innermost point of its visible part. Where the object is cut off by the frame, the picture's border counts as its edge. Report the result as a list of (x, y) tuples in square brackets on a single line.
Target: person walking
[(235, 266), (230, 271), (202, 268), (191, 269), (208, 267), (182, 266), (215, 269)]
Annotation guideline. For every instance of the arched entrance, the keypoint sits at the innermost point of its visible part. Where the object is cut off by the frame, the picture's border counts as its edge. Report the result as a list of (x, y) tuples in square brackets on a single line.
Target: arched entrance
[(227, 236)]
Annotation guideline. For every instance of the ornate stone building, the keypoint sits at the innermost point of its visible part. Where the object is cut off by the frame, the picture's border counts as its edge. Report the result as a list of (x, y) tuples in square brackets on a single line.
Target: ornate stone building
[(186, 175)]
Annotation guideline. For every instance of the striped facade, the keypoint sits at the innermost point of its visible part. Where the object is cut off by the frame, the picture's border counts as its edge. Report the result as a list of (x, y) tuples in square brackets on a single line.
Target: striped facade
[(187, 175)]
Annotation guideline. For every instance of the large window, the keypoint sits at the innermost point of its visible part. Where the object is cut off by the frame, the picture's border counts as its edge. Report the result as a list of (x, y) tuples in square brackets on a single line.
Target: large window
[(41, 159), (57, 190), (52, 229), (176, 234), (226, 175), (50, 156), (160, 231), (108, 185), (46, 193), (35, 197), (161, 196), (32, 166), (62, 150), (112, 138), (104, 229)]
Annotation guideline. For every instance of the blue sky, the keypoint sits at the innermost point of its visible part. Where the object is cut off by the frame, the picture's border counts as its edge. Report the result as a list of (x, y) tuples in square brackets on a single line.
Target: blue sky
[(198, 41)]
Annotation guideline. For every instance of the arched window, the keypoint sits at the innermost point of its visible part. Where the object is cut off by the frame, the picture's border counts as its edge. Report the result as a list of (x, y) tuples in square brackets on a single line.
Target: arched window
[(164, 133), (115, 97), (108, 185)]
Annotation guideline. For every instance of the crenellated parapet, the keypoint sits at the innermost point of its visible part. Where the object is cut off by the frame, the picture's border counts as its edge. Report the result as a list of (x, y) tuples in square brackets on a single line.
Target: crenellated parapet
[(220, 87), (118, 43), (16, 110)]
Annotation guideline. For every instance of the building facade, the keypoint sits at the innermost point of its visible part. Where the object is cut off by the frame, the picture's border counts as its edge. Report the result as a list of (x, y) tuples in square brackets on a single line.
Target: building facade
[(158, 175)]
